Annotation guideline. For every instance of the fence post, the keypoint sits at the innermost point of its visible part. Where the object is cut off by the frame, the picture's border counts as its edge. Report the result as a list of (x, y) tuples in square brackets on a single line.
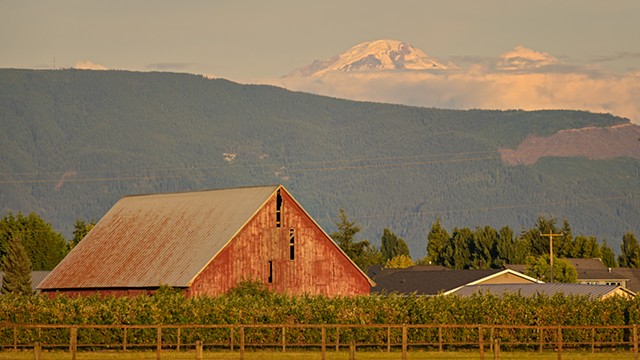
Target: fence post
[(241, 343), (324, 343), (124, 340), (352, 350), (404, 341), (37, 351), (496, 349), (159, 343), (231, 339), (593, 340), (540, 332), (389, 338), (73, 341), (284, 339), (491, 339), (178, 347), (559, 340), (439, 338), (337, 339), (635, 342), (481, 342), (15, 338), (199, 350)]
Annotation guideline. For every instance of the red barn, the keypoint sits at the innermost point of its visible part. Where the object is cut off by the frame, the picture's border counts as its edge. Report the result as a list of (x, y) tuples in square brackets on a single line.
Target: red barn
[(205, 243)]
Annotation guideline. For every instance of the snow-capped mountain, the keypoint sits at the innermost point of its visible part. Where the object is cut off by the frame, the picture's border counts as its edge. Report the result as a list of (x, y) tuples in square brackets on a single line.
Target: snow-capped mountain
[(375, 55)]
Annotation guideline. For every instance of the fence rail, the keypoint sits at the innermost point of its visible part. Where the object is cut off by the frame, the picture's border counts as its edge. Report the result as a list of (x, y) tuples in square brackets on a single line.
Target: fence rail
[(325, 337)]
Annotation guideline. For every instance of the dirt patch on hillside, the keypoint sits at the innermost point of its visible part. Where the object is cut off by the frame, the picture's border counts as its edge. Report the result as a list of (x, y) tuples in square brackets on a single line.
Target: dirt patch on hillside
[(592, 143)]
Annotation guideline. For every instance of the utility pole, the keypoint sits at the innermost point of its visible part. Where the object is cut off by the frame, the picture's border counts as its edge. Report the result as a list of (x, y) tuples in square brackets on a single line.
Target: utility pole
[(551, 235)]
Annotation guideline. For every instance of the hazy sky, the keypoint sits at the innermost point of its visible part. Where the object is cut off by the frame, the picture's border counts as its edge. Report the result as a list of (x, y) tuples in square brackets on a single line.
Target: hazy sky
[(257, 40)]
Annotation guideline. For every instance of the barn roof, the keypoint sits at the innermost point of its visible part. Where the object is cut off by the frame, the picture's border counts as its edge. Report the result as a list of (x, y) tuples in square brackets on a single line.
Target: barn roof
[(176, 236)]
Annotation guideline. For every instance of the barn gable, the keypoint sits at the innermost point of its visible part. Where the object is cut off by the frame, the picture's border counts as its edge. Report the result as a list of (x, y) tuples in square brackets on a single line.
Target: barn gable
[(204, 242)]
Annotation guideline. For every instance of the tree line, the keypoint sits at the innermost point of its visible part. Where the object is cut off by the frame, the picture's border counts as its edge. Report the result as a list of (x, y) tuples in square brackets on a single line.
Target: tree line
[(28, 243), (486, 247)]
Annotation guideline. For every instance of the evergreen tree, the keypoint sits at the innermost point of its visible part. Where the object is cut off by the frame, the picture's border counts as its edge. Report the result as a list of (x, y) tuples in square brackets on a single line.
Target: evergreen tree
[(586, 247), (565, 243), (45, 247), (80, 230), (484, 248), (392, 246), (436, 240), (630, 252), (17, 270), (608, 257), (456, 253), (361, 252)]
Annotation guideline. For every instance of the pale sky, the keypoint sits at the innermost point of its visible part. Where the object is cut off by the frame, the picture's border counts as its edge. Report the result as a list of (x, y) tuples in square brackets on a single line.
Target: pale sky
[(254, 41)]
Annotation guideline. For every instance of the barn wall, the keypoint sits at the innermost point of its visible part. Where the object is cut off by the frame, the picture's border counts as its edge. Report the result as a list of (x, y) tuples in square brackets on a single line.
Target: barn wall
[(318, 267)]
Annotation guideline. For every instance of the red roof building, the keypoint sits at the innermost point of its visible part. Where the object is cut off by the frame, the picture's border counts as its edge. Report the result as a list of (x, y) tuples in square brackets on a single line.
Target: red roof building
[(205, 243)]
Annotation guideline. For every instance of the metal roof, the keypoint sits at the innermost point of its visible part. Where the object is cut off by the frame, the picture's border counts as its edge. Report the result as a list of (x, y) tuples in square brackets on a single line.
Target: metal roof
[(36, 278), (549, 289), (432, 281), (162, 239)]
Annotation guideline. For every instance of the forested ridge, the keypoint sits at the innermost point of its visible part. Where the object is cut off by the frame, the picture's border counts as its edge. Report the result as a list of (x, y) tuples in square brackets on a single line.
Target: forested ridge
[(74, 142)]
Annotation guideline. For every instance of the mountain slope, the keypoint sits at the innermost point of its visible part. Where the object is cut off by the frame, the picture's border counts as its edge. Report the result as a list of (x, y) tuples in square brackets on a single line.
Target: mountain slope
[(73, 142)]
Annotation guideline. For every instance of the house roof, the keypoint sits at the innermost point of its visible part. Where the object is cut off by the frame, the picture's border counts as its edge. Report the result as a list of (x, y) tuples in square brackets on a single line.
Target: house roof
[(36, 278), (633, 276), (596, 274), (549, 289), (587, 264), (378, 271), (176, 236), (434, 282)]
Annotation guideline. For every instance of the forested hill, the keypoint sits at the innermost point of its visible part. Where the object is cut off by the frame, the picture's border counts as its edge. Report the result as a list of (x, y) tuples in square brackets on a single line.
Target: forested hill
[(73, 142)]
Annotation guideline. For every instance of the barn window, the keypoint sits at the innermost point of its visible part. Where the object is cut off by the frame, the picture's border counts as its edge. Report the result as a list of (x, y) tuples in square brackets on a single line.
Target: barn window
[(278, 209), (292, 240), (270, 272)]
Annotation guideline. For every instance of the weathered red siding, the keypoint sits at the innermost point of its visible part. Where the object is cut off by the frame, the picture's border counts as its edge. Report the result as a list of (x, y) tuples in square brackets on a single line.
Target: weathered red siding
[(319, 266)]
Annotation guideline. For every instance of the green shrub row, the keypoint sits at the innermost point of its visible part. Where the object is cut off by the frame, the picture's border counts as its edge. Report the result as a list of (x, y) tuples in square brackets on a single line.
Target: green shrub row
[(257, 307)]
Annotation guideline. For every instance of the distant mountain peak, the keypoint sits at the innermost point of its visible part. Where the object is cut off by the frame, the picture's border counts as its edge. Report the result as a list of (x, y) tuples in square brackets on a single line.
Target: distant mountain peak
[(374, 55)]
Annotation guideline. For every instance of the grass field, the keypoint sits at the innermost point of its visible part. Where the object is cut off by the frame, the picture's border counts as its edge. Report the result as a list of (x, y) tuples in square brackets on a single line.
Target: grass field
[(309, 355)]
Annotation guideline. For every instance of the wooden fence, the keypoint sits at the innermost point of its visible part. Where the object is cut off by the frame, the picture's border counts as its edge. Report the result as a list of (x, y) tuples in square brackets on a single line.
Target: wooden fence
[(328, 337)]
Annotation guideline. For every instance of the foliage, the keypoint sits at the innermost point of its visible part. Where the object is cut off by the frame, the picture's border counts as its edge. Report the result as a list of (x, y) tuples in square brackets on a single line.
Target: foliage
[(80, 230), (171, 308), (630, 251), (487, 248), (45, 247), (436, 239), (17, 270), (608, 257), (361, 252), (250, 288), (563, 271), (391, 246), (399, 262)]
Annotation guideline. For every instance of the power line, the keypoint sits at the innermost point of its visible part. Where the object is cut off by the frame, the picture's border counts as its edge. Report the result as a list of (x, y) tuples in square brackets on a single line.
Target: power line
[(278, 166), (499, 207)]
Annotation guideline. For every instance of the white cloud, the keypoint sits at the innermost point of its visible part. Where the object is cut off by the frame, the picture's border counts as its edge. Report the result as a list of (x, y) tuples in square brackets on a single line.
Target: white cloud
[(519, 79), (89, 65), (522, 58)]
